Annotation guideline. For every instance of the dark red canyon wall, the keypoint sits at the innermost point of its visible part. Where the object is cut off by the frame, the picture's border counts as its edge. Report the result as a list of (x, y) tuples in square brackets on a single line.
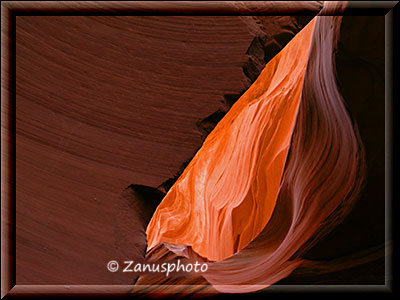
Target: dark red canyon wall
[(107, 102), (104, 102)]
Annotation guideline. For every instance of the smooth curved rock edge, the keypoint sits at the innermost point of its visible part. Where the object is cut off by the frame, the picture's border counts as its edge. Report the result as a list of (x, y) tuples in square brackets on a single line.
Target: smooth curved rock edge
[(276, 252)]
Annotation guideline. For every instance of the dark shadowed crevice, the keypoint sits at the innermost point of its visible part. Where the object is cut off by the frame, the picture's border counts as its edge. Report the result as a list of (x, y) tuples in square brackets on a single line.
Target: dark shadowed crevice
[(206, 125), (134, 208), (166, 185)]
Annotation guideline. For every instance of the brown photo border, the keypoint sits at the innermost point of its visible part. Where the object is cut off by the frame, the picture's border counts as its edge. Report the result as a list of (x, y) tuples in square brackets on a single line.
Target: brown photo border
[(11, 9)]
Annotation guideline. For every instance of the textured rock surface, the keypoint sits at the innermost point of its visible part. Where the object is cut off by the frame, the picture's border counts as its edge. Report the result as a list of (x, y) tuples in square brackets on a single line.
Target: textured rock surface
[(227, 193), (104, 102), (91, 119), (322, 178), (354, 252), (359, 60)]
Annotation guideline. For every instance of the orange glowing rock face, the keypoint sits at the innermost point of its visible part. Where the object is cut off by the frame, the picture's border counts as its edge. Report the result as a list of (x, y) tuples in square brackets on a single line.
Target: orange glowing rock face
[(227, 193)]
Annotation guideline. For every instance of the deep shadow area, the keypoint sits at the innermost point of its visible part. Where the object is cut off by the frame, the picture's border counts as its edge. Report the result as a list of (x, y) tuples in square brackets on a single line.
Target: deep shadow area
[(360, 64)]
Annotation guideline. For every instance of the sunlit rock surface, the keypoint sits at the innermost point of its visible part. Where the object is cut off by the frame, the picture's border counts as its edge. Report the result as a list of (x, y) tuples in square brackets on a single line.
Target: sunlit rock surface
[(104, 102), (227, 193)]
